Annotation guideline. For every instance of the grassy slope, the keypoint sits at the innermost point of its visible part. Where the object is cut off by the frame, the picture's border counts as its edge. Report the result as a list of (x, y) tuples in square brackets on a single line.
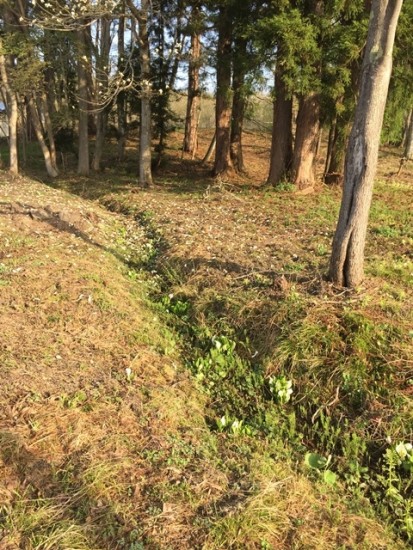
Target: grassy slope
[(85, 452), (91, 459), (249, 266)]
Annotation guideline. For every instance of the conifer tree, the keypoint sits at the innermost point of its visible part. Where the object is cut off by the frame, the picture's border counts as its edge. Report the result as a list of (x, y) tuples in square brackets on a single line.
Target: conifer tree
[(194, 92), (223, 108)]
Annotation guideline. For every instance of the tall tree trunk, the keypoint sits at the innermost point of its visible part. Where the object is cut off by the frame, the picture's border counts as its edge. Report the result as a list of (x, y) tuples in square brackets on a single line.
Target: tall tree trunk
[(160, 107), (347, 259), (408, 148), (50, 76), (194, 96), (407, 123), (145, 154), (121, 98), (101, 123), (39, 109), (306, 139), (335, 170), (24, 132), (49, 129), (83, 166), (224, 95), (7, 62), (102, 79), (211, 149), (282, 135), (238, 105), (12, 114), (330, 143), (37, 125), (308, 121)]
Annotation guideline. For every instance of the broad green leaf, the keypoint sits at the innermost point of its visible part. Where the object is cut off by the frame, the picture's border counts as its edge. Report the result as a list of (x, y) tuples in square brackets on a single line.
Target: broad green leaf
[(330, 477), (315, 461)]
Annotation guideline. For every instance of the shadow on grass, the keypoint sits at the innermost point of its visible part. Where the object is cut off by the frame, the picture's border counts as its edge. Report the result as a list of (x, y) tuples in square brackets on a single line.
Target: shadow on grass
[(55, 220), (177, 174), (53, 503)]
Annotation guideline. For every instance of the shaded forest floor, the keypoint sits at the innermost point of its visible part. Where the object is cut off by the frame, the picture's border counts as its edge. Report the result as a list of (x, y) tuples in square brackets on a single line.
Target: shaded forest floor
[(214, 297)]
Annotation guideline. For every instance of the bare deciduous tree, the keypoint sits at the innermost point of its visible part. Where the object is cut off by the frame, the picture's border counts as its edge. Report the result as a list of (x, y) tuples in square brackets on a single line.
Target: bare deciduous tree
[(145, 131)]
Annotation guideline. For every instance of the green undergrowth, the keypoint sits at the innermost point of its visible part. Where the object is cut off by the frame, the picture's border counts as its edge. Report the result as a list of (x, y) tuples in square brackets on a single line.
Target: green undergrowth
[(337, 384), (321, 378)]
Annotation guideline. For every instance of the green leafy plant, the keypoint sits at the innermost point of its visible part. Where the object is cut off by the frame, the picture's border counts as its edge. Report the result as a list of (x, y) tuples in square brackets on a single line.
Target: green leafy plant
[(320, 463), (284, 187), (234, 385), (280, 388), (174, 305), (395, 486), (234, 426)]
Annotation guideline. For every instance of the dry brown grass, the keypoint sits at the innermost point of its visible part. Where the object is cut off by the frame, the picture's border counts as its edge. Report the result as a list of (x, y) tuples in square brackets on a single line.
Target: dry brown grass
[(92, 460), (286, 510), (77, 438)]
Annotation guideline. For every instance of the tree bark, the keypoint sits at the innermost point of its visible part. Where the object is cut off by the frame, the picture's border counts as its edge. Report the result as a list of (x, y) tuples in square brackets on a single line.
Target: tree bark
[(306, 139), (145, 155), (24, 132), (102, 79), (145, 130), (238, 105), (37, 125), (330, 142), (121, 98), (194, 94), (347, 259), (335, 170), (408, 148), (407, 122), (223, 105), (49, 129), (282, 135), (211, 149), (338, 140), (6, 67), (12, 114), (83, 99)]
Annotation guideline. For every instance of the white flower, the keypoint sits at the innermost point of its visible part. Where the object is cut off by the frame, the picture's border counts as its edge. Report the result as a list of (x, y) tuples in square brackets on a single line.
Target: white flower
[(128, 372), (223, 421), (236, 424), (403, 449)]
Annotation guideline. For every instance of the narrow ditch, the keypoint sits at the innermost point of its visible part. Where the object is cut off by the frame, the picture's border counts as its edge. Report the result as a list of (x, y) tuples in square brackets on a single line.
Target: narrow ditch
[(244, 401)]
